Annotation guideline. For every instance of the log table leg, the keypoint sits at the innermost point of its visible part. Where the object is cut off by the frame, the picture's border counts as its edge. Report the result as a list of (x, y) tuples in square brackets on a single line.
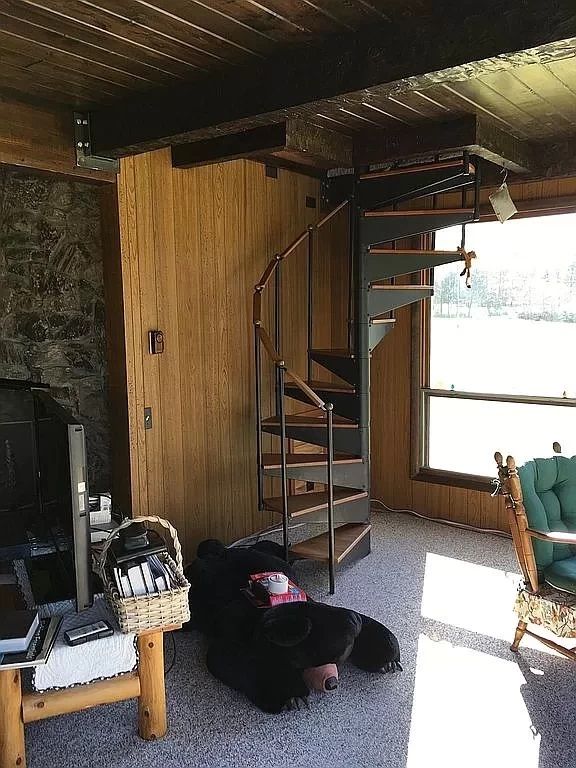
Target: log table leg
[(12, 752), (152, 702)]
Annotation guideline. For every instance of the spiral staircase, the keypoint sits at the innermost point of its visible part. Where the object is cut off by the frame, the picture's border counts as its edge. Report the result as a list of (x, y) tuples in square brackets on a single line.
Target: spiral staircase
[(337, 421)]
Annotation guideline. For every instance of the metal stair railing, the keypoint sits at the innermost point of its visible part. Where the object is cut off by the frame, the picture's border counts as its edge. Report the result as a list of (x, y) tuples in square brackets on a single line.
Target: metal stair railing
[(263, 339)]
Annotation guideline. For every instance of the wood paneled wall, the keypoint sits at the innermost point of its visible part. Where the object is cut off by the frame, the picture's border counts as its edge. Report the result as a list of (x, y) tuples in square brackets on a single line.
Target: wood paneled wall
[(391, 403), (194, 244)]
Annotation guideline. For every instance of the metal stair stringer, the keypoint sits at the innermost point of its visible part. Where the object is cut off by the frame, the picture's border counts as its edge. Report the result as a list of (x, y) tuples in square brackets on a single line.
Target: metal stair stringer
[(385, 298), (385, 263), (386, 226), (388, 187)]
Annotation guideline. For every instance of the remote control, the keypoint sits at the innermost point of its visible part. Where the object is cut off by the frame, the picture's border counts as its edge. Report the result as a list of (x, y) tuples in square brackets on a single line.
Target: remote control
[(88, 632)]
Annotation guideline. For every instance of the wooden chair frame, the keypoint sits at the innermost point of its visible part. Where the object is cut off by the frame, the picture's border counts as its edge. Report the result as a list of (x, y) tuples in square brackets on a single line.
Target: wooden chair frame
[(522, 535)]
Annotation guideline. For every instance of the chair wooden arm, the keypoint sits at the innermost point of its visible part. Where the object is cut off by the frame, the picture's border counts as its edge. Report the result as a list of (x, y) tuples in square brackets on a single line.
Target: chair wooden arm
[(559, 537)]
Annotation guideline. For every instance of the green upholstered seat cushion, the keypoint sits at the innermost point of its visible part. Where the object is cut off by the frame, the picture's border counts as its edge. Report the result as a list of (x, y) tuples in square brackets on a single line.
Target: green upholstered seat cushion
[(562, 574), (549, 491)]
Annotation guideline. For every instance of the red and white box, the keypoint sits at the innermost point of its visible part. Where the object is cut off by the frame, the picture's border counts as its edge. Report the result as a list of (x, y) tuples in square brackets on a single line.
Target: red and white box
[(263, 586)]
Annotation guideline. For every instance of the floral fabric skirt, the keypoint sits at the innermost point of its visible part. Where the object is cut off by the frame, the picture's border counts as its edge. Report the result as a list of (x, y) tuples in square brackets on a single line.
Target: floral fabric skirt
[(550, 608)]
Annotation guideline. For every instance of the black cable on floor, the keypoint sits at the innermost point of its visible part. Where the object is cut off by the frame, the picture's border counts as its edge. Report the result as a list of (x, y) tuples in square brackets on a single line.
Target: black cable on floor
[(169, 669)]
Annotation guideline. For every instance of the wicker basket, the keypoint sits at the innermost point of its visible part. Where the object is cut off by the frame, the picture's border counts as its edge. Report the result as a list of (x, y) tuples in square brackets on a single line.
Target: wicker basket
[(162, 609)]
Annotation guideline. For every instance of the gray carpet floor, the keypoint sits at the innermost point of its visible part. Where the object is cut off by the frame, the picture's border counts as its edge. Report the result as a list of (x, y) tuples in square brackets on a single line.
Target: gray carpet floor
[(463, 699)]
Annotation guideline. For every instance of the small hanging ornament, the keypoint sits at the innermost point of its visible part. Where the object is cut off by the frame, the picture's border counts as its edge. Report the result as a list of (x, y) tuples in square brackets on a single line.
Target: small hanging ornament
[(501, 201), (467, 256)]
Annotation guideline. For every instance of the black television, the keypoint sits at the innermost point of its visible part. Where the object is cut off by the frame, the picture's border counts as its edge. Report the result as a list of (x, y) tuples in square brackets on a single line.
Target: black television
[(44, 510)]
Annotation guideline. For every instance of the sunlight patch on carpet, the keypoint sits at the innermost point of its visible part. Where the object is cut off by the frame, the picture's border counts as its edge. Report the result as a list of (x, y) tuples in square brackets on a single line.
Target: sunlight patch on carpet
[(468, 709)]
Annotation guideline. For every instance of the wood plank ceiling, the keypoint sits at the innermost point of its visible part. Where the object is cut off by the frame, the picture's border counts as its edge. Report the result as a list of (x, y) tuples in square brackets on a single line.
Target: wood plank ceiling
[(85, 54)]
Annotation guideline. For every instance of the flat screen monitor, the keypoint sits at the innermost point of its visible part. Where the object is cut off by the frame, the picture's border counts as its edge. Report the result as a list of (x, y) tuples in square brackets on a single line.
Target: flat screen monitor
[(44, 511)]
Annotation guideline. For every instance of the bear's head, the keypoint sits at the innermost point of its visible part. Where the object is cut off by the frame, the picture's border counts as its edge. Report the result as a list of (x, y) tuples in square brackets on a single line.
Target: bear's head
[(312, 638)]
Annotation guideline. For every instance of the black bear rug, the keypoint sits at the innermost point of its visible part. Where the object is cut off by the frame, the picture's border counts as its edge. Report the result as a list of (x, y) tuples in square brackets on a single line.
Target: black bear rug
[(276, 655)]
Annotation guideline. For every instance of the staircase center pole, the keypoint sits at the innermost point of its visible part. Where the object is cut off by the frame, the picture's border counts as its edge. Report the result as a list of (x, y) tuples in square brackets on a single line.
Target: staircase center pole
[(362, 336), (277, 327), (331, 542), (466, 169), (258, 366), (283, 463)]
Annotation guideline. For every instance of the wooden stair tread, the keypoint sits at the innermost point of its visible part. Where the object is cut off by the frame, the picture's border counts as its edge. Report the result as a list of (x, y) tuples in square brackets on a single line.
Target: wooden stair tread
[(300, 420), (326, 386), (422, 212), (411, 252), (303, 503), (345, 539), (382, 320), (334, 352), (273, 460), (456, 164)]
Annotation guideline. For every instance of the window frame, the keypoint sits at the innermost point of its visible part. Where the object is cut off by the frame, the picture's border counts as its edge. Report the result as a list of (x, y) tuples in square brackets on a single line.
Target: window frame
[(421, 392)]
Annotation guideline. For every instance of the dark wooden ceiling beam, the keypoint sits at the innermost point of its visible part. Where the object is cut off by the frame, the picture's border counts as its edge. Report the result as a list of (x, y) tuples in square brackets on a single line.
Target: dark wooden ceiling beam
[(294, 141), (461, 42), (474, 134), (477, 135)]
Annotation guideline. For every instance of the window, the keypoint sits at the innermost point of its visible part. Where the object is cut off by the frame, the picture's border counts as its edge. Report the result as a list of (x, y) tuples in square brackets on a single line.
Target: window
[(482, 394)]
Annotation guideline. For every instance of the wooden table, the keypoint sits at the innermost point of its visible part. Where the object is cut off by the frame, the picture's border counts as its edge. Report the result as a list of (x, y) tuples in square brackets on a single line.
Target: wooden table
[(146, 684)]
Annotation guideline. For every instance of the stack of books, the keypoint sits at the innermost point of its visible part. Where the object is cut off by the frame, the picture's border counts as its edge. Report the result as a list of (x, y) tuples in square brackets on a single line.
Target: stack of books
[(17, 628), (26, 640)]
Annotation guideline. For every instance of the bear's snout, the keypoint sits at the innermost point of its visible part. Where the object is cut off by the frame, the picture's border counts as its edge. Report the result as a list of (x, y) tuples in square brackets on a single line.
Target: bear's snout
[(322, 678)]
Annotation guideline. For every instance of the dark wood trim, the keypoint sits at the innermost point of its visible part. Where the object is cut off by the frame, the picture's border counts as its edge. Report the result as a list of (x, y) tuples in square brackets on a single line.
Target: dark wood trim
[(388, 58), (289, 143), (231, 146), (456, 479), (533, 208), (419, 367)]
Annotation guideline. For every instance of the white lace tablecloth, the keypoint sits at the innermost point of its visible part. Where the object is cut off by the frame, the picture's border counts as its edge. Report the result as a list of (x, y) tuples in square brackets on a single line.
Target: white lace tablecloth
[(96, 660)]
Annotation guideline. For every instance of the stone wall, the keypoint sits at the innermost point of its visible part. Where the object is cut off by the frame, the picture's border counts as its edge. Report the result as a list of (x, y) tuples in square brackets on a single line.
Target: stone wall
[(52, 299)]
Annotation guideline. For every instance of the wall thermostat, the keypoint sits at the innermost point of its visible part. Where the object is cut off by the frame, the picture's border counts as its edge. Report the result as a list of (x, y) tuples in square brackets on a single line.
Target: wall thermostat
[(156, 342)]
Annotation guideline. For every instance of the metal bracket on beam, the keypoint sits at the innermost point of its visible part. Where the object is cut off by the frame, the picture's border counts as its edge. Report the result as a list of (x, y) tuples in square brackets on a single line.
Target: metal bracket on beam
[(83, 146)]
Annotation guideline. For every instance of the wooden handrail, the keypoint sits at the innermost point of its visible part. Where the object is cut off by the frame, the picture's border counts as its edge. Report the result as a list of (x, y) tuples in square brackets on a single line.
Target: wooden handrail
[(267, 274), (273, 264), (328, 216), (262, 333), (308, 391), (269, 346), (292, 247), (277, 360)]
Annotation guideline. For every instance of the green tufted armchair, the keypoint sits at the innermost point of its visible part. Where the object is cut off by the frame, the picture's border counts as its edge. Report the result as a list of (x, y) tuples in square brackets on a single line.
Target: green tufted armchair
[(541, 503)]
